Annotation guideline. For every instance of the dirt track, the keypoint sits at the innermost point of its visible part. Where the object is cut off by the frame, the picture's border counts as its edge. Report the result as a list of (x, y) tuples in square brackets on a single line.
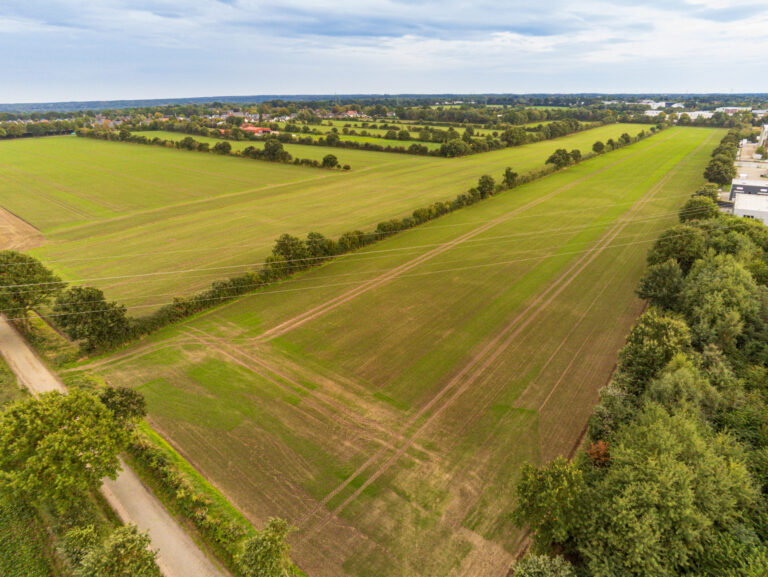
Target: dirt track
[(178, 555)]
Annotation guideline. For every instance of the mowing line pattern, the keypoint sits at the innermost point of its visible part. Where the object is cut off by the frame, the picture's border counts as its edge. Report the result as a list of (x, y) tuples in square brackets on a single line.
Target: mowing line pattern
[(321, 309), (478, 365)]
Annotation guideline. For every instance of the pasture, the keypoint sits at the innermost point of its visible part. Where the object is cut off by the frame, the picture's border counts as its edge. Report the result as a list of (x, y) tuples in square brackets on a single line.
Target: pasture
[(385, 402), (147, 223)]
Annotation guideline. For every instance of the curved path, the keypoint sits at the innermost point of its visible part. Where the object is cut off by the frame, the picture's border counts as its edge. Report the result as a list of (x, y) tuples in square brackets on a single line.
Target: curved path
[(178, 554)]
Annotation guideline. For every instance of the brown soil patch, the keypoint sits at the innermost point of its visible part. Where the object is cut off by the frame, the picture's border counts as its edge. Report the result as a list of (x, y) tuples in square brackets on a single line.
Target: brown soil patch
[(18, 234)]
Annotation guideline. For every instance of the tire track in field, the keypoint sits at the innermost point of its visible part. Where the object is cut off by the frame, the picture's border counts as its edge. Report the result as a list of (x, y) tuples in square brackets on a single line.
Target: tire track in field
[(437, 397), (315, 399), (206, 199), (335, 302), (46, 196), (492, 350)]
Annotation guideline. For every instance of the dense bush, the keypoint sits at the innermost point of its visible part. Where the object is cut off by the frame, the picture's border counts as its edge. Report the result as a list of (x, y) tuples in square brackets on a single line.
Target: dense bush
[(674, 476)]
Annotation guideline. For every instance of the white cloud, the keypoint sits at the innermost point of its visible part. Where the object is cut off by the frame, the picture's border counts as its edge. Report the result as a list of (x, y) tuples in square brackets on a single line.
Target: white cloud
[(142, 48)]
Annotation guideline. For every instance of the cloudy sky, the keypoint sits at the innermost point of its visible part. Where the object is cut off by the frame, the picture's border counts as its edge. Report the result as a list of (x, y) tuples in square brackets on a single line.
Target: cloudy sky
[(55, 50)]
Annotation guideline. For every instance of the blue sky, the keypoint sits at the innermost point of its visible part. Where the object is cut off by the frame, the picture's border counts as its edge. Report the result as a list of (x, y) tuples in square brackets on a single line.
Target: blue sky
[(112, 49)]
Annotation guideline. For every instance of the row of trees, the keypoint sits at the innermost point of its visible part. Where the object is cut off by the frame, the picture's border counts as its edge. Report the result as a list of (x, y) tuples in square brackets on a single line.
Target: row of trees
[(562, 158), (56, 450), (674, 475), (453, 143), (721, 168), (273, 150), (26, 129)]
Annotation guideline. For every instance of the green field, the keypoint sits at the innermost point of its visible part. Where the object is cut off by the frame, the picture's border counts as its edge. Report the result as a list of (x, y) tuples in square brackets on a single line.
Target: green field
[(146, 223), (408, 125), (385, 402)]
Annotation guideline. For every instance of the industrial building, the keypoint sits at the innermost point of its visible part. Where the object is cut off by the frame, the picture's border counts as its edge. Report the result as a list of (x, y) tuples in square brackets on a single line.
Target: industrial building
[(751, 206)]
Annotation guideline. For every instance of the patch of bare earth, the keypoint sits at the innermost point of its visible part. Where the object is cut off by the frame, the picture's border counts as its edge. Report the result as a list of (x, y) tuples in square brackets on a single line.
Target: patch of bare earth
[(18, 234)]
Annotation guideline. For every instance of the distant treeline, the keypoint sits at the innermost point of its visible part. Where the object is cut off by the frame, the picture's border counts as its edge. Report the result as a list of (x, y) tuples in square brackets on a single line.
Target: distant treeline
[(273, 150), (674, 474), (29, 129), (86, 316)]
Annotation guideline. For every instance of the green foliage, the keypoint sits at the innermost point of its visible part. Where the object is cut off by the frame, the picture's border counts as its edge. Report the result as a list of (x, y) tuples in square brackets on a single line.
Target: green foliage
[(85, 315), (125, 553), (486, 185), (669, 487), (698, 208), (330, 161), (543, 566), (721, 170), (127, 405), (188, 494), (709, 190), (598, 147), (510, 177), (222, 147), (549, 500), (24, 284), (661, 285), (719, 296), (23, 549), (560, 158), (78, 542), (266, 554), (683, 242), (58, 447), (653, 342)]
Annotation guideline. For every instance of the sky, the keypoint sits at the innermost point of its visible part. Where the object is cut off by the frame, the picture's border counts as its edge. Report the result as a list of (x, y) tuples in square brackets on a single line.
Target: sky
[(60, 50)]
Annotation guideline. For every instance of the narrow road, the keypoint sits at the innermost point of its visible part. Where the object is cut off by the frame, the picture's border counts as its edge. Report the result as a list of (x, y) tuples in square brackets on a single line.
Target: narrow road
[(178, 554)]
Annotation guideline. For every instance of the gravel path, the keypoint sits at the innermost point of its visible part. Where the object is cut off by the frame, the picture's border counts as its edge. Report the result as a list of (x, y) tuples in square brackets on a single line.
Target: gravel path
[(178, 554)]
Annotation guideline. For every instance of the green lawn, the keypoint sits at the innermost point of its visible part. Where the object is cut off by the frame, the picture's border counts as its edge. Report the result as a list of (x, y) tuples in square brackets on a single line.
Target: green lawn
[(385, 402), (146, 223)]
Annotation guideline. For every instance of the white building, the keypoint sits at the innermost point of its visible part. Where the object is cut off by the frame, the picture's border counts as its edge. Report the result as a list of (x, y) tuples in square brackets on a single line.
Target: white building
[(746, 187), (653, 104), (700, 114), (763, 136), (731, 110), (751, 206)]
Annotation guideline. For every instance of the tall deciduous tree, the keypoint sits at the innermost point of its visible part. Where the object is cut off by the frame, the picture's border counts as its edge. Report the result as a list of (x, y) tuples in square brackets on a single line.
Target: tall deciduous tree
[(266, 554), (24, 284), (125, 553), (58, 447), (84, 314)]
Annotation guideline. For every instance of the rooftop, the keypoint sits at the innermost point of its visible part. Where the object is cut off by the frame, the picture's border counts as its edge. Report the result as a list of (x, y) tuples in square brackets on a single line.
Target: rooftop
[(753, 202)]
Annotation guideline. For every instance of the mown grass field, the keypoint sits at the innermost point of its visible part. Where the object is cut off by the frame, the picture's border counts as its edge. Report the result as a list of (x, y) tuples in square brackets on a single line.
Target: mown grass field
[(410, 126), (146, 223), (385, 402)]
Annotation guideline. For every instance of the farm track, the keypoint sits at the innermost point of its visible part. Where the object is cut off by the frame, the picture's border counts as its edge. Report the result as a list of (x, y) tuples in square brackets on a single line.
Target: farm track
[(489, 353), (335, 302), (178, 554)]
